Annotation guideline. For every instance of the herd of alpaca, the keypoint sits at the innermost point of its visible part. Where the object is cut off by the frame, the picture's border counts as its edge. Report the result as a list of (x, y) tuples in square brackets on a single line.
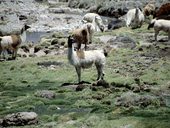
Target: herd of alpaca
[(161, 22), (134, 19), (82, 58)]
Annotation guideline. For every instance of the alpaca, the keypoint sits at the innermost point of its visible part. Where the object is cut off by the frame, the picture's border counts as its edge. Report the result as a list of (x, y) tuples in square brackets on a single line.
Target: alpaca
[(149, 9), (85, 59), (91, 29), (81, 36), (91, 17), (12, 42), (163, 12), (134, 18), (159, 25)]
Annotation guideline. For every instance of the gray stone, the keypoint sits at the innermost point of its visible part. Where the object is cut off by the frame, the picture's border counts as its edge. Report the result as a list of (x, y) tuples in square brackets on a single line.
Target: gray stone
[(122, 41), (45, 94), (20, 119)]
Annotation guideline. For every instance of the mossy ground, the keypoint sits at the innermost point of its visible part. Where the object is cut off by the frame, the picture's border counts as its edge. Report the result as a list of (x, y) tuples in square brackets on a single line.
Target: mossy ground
[(22, 78)]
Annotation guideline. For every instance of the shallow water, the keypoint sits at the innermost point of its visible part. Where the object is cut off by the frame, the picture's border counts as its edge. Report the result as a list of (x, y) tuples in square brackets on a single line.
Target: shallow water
[(35, 37)]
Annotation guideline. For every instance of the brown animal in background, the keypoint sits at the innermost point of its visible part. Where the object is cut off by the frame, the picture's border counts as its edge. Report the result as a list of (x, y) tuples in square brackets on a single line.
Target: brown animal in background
[(149, 9), (81, 36), (163, 12)]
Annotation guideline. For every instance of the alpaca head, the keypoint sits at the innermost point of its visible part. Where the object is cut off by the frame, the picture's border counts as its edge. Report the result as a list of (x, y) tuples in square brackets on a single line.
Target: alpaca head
[(99, 22), (102, 28), (25, 28), (70, 41)]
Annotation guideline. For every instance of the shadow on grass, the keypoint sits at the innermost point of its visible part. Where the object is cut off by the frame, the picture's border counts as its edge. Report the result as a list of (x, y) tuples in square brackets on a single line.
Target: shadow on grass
[(82, 82)]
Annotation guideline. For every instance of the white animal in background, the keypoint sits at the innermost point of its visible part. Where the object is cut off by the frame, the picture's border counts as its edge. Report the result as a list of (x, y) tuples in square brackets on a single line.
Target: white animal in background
[(85, 59), (160, 25), (12, 42), (134, 18), (91, 29), (94, 18)]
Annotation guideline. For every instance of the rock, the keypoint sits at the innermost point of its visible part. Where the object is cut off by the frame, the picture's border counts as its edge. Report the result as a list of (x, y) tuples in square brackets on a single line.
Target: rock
[(25, 48), (37, 48), (134, 99), (80, 87), (20, 119), (122, 42), (45, 94), (101, 83), (115, 24), (54, 41), (49, 63)]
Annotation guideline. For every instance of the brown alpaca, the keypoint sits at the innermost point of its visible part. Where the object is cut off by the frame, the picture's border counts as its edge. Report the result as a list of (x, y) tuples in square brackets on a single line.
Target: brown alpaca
[(163, 12), (81, 36)]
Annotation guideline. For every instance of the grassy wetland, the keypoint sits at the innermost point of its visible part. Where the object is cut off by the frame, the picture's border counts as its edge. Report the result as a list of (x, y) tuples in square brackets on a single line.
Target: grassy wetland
[(138, 79)]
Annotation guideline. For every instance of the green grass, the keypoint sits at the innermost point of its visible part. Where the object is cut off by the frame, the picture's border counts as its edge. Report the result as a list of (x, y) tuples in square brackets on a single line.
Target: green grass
[(22, 78)]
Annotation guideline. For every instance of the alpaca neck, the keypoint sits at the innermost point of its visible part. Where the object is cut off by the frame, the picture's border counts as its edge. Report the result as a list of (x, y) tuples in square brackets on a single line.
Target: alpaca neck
[(23, 36), (94, 24), (70, 54)]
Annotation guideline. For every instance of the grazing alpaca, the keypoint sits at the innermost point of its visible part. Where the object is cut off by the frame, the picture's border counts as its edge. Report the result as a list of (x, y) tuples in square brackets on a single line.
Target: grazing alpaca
[(85, 59), (91, 29), (93, 17), (12, 42), (134, 18), (149, 9), (159, 25)]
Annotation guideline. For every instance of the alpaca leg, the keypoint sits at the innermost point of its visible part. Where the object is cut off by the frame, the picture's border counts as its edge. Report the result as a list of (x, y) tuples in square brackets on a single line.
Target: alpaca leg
[(4, 54), (14, 54), (128, 21), (99, 71), (169, 36), (90, 39), (85, 47), (78, 70), (156, 34), (79, 46)]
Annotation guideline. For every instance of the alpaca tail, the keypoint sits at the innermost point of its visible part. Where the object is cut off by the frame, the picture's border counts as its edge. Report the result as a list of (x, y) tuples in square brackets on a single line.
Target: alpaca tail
[(151, 24)]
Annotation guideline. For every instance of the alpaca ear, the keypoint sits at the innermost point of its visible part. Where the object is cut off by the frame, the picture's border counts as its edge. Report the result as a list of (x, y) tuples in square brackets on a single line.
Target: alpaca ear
[(26, 27)]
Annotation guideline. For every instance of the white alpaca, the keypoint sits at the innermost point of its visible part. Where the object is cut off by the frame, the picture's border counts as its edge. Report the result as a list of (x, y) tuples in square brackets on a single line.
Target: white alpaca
[(134, 18), (159, 25), (85, 59), (91, 29), (12, 42), (94, 18)]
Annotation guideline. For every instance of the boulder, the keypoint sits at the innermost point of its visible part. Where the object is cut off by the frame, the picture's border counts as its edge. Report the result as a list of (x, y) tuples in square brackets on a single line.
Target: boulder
[(122, 42), (45, 94), (20, 119)]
